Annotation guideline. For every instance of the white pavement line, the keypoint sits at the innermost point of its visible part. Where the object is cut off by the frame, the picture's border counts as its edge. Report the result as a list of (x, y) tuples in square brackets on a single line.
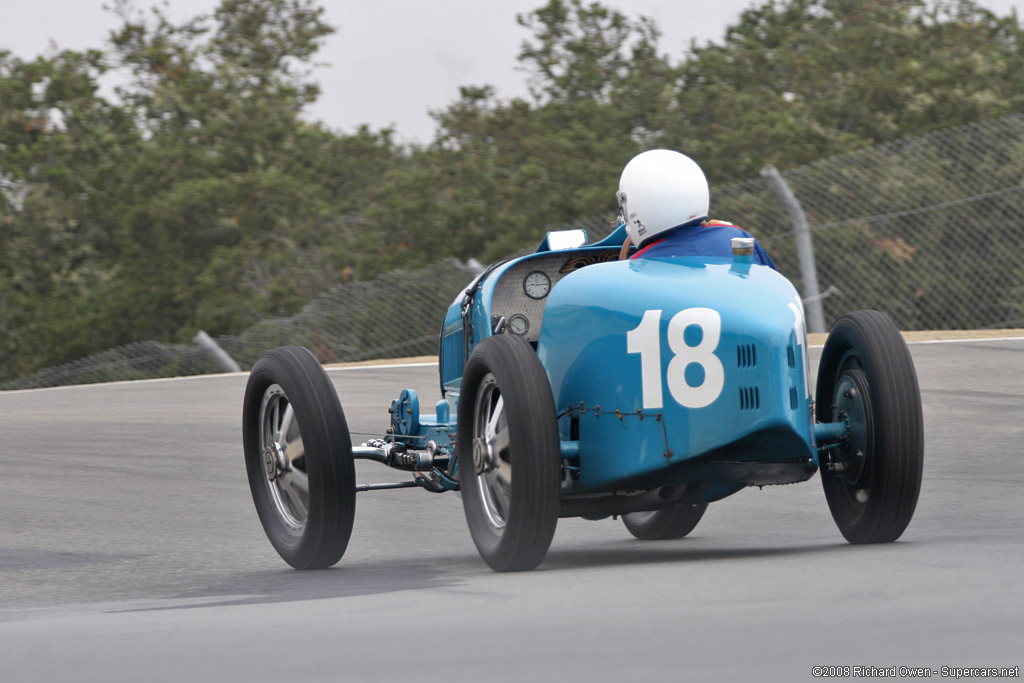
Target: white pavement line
[(959, 341), (945, 341), (126, 381), (386, 366), (383, 366)]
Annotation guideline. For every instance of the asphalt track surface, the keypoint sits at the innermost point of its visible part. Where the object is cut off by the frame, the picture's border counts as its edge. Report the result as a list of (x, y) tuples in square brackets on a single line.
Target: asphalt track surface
[(130, 551)]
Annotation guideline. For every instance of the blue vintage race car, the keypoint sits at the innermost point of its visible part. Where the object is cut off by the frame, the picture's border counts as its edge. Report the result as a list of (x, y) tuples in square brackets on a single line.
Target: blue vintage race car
[(576, 384)]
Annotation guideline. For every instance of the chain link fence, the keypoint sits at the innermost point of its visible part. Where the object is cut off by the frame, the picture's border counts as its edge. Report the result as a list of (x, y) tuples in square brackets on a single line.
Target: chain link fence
[(141, 360), (398, 314), (924, 228)]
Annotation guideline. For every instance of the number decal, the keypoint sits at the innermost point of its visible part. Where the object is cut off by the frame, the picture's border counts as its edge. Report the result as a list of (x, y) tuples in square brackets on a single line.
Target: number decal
[(703, 354), (645, 340), (800, 328)]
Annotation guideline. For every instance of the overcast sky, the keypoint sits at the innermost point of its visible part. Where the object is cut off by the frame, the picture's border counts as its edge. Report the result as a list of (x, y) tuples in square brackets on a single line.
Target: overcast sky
[(392, 61)]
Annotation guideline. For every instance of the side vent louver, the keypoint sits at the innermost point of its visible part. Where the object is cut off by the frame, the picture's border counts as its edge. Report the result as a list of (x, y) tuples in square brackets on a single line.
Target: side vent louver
[(746, 356), (794, 400), (750, 398)]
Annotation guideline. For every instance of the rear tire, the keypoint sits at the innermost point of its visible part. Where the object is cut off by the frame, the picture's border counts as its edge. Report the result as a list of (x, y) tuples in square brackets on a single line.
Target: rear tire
[(666, 524), (509, 454), (298, 455), (866, 376)]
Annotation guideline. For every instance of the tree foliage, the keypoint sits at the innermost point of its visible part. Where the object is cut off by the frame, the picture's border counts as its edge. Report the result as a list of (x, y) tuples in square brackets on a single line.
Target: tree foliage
[(798, 80), (200, 197)]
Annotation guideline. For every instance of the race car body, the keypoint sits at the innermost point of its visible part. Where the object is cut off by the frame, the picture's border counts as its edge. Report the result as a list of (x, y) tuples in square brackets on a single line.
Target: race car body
[(578, 383)]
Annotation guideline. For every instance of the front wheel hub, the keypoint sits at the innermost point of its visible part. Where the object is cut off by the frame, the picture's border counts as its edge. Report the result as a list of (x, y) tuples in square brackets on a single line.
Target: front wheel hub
[(275, 463), (853, 402), (483, 460)]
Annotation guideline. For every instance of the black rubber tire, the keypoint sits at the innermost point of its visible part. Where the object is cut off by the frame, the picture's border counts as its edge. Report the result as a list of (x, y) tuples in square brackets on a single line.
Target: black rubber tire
[(666, 524), (865, 350), (327, 461), (507, 367)]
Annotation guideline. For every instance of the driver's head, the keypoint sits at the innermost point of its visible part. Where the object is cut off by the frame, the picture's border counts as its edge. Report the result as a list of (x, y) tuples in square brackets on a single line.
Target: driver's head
[(661, 189)]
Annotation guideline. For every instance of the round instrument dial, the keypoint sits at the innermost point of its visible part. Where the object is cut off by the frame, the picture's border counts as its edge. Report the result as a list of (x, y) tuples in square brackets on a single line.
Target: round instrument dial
[(537, 284), (518, 324)]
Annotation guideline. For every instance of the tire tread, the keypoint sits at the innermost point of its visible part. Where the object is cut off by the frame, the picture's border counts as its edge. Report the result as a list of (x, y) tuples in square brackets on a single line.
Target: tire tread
[(530, 412), (897, 420), (328, 455)]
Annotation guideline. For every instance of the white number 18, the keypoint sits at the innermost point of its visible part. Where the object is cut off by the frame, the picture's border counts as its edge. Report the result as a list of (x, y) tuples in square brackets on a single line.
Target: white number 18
[(645, 340)]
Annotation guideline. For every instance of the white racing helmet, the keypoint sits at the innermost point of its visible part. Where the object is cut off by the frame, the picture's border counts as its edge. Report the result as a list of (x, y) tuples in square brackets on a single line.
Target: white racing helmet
[(661, 189)]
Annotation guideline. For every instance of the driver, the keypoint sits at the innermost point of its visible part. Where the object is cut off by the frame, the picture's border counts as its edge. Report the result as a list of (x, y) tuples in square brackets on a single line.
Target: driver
[(663, 196)]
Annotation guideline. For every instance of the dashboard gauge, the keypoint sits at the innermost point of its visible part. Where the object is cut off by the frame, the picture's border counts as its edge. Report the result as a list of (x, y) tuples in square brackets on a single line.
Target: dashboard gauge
[(518, 324), (537, 284)]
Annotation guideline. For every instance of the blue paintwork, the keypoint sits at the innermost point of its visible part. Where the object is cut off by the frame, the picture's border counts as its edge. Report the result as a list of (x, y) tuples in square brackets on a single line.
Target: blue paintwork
[(414, 429), (405, 412), (431, 428), (615, 239), (762, 417), (442, 411), (570, 450), (829, 433), (584, 351), (454, 349)]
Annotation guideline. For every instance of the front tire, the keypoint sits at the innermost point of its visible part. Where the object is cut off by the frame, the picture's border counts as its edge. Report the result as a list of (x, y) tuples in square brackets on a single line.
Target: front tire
[(509, 455), (667, 524), (867, 378), (298, 455)]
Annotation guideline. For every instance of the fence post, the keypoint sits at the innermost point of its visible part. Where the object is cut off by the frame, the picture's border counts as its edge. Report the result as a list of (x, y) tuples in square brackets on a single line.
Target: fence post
[(804, 247), (215, 352)]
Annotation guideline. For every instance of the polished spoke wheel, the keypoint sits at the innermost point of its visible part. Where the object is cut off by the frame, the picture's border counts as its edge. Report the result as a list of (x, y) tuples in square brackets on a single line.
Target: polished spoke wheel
[(866, 379), (298, 456), (492, 462), (509, 454), (284, 458)]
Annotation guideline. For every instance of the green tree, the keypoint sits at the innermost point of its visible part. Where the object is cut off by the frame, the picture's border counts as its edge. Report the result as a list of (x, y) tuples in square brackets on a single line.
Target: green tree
[(798, 80), (501, 172), (202, 200), (242, 208), (59, 146)]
